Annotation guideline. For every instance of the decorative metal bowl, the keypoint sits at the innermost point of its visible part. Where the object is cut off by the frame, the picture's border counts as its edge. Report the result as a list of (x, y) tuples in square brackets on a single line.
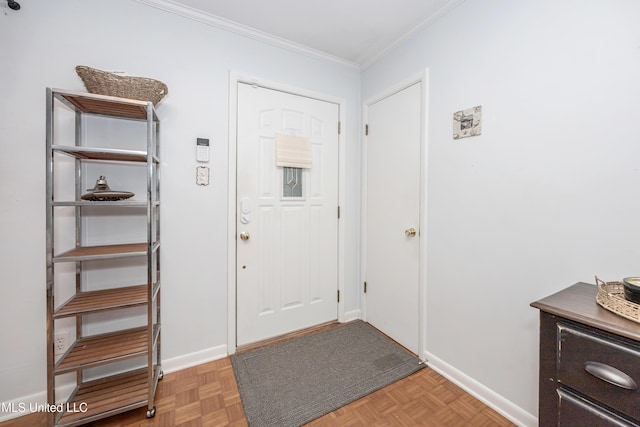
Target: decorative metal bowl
[(632, 289), (102, 192)]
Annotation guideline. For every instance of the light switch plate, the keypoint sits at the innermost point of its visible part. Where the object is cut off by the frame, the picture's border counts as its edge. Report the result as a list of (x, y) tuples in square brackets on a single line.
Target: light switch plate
[(202, 175)]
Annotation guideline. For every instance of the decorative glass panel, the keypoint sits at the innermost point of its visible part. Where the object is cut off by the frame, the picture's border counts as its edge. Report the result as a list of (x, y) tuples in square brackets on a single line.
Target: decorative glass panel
[(291, 182)]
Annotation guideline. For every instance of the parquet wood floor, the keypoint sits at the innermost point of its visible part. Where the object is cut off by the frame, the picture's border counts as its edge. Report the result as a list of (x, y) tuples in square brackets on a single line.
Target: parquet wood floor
[(207, 396)]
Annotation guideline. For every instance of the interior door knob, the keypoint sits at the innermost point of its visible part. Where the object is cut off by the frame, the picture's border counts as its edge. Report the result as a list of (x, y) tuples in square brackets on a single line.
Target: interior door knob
[(410, 232), (244, 235)]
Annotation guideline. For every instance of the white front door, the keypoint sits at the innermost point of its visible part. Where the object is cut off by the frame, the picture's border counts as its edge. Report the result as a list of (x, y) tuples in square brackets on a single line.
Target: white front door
[(392, 212), (287, 222)]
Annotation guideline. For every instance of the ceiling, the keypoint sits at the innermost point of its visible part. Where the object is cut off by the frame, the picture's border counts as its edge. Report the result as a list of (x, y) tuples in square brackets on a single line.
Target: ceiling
[(355, 32)]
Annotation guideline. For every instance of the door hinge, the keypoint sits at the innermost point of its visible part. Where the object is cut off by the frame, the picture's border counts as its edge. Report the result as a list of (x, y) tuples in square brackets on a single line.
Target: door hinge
[(365, 287), (338, 295), (366, 130), (339, 127), (338, 212)]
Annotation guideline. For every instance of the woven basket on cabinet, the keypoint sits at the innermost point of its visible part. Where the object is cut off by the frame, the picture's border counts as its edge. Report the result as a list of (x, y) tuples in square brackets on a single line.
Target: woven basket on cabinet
[(611, 296)]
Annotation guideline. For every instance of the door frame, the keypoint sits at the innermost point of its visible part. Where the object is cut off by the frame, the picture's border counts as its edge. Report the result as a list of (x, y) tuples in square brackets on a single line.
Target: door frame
[(236, 78), (423, 79)]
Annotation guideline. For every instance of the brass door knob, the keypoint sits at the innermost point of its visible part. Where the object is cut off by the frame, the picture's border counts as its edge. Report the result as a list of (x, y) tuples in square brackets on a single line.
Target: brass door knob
[(410, 232), (244, 235)]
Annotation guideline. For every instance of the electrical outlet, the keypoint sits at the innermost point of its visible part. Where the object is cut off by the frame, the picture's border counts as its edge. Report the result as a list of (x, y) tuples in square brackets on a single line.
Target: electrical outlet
[(61, 342)]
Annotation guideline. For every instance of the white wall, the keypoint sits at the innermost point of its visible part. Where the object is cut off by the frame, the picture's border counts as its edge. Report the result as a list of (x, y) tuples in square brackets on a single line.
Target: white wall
[(547, 195), (42, 43)]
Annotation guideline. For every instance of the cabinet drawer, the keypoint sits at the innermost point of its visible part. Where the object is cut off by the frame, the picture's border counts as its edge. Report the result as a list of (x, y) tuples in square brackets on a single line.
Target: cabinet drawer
[(605, 370), (577, 411)]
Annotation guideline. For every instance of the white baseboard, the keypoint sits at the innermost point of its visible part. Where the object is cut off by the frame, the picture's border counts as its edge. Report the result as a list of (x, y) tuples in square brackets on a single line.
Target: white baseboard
[(22, 405), (192, 359), (28, 404), (352, 315), (504, 407)]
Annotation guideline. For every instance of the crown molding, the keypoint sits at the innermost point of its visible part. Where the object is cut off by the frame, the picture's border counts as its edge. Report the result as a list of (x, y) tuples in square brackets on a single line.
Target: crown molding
[(364, 61), (242, 30), (367, 59)]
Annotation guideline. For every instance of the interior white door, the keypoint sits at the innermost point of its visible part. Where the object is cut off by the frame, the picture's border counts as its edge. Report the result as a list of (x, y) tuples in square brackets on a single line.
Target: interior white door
[(287, 221), (393, 214)]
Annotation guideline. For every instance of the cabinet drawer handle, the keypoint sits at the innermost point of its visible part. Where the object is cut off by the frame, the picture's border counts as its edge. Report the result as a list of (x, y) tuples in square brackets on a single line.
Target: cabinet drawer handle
[(610, 375)]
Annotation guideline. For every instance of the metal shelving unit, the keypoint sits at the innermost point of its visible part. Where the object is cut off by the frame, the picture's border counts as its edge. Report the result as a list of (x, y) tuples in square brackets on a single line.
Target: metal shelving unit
[(96, 397)]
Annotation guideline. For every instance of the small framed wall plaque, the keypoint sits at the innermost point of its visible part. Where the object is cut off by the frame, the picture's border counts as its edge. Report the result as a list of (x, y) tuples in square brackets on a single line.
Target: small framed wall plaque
[(467, 122)]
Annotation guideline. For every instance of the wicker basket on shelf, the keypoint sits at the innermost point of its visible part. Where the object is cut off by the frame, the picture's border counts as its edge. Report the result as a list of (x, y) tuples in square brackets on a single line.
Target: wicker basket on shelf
[(110, 84), (611, 296)]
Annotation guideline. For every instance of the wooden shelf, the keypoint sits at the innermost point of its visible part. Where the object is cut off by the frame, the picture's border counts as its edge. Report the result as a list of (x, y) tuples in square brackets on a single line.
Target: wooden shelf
[(86, 253), (130, 203), (93, 203), (91, 153), (100, 349), (103, 105), (102, 300), (107, 396)]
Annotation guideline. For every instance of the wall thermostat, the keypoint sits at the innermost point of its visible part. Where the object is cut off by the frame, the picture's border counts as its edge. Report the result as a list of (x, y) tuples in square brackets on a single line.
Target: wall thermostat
[(202, 150)]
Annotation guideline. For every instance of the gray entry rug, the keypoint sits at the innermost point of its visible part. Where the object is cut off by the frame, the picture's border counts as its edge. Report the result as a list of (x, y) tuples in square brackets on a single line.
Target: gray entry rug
[(296, 381)]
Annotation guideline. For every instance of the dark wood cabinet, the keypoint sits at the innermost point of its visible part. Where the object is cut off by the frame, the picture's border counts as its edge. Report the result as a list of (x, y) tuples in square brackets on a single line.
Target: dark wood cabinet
[(589, 362)]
